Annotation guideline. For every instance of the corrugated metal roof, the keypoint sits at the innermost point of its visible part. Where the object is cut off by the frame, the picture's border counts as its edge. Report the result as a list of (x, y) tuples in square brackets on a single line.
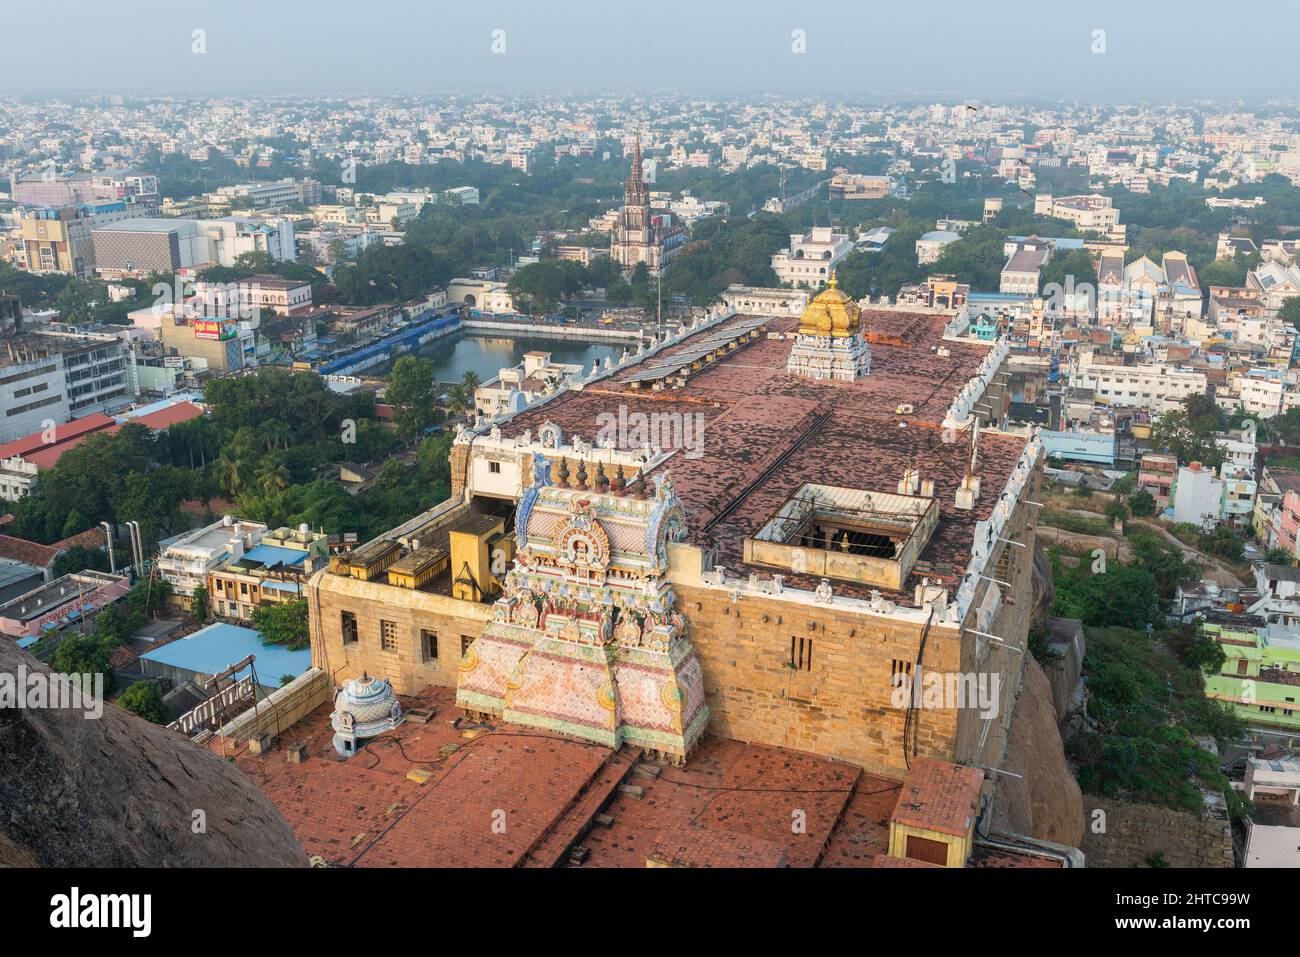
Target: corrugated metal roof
[(216, 647), (271, 554)]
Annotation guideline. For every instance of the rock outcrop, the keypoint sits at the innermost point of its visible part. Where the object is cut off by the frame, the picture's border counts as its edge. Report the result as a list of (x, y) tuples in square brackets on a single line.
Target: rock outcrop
[(1044, 590), (1044, 801), (117, 791)]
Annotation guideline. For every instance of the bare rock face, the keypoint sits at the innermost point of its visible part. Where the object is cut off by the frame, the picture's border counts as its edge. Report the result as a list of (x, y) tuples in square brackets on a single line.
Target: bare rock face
[(1045, 802), (118, 791), (1044, 590)]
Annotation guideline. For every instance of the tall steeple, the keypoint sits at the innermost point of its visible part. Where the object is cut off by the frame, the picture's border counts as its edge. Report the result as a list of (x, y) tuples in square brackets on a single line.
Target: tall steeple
[(635, 193)]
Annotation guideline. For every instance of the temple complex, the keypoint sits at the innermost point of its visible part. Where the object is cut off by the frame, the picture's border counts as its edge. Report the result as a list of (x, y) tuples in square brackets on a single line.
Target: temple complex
[(793, 535)]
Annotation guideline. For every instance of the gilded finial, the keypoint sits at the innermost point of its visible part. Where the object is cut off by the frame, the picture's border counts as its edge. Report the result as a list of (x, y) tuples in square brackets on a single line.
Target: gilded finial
[(834, 283)]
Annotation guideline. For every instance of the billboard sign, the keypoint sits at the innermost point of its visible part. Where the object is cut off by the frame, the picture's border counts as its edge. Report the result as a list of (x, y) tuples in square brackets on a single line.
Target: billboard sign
[(216, 329)]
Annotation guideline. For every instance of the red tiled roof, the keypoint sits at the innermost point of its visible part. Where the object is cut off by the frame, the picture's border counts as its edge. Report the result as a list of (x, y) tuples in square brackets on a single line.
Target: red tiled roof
[(685, 845), (45, 457), (66, 432), (766, 432), (90, 538), (32, 553), (884, 860), (939, 796), (167, 417)]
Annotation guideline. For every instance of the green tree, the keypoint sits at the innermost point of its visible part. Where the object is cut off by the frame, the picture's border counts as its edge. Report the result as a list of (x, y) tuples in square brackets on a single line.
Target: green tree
[(1117, 511), (199, 604), (1142, 503), (79, 558), (144, 700), (412, 392), (1278, 556), (1191, 440), (284, 623)]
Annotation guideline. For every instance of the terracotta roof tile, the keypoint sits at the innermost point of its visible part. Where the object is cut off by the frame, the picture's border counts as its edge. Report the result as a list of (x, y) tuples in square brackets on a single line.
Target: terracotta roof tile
[(939, 796)]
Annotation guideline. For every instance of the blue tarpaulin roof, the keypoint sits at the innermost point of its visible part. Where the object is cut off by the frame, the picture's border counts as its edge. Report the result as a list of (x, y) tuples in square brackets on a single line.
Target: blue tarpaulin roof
[(281, 586), (218, 646), (272, 554)]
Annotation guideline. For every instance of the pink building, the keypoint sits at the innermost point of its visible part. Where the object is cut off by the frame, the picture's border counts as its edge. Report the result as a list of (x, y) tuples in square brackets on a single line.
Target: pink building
[(61, 602)]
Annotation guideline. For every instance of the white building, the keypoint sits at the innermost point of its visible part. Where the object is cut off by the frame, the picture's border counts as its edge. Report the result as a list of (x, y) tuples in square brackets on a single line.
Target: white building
[(186, 562), (57, 376), (1158, 388), (515, 385), (1020, 274), (1273, 788), (930, 245), (487, 295), (810, 258), (273, 194), (1264, 392), (1094, 212), (232, 236), (1198, 495), (763, 301), (1275, 283)]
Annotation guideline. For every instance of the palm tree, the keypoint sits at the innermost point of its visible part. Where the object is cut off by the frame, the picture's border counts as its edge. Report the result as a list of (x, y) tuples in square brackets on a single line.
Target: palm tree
[(459, 401), (230, 473), (272, 478), (274, 434)]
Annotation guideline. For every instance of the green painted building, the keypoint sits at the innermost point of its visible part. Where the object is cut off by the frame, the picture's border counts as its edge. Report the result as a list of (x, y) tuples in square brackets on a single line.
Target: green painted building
[(1261, 681)]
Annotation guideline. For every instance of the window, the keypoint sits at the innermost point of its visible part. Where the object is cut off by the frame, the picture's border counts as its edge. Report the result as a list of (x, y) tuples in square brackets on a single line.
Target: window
[(387, 635), (349, 625), (801, 653), (465, 642), (899, 672), (494, 468), (429, 644)]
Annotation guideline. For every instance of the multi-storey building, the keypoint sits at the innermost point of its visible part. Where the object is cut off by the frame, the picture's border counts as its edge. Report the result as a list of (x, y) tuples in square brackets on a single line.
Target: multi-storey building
[(811, 257), (1158, 388), (272, 572), (50, 377), (57, 240), (187, 562)]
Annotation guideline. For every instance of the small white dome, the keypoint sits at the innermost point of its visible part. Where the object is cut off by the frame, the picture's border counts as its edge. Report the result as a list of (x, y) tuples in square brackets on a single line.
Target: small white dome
[(363, 708)]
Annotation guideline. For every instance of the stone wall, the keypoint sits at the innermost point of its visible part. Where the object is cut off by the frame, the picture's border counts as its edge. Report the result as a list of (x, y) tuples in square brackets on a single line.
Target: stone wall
[(1133, 832), (283, 707), (841, 706), (1065, 640), (407, 662)]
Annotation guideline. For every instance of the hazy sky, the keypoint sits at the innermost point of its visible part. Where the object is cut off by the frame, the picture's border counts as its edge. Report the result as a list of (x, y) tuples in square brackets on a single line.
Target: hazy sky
[(1154, 49)]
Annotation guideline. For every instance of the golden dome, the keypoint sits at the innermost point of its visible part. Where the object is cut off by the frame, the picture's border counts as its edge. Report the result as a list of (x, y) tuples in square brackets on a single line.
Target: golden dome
[(832, 313)]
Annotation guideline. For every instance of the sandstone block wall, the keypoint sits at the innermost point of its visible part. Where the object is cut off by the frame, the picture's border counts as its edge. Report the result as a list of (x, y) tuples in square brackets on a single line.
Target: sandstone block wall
[(1133, 832)]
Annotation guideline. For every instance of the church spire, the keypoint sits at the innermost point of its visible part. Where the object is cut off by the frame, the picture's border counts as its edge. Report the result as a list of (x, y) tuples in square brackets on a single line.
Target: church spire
[(635, 194)]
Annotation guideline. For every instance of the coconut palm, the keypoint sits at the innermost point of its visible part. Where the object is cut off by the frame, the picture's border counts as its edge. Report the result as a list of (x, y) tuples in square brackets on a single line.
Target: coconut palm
[(231, 473), (272, 478), (275, 434)]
